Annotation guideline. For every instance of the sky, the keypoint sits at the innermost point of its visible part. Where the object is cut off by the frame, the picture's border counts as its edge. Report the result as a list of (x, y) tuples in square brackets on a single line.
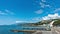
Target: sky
[(31, 11)]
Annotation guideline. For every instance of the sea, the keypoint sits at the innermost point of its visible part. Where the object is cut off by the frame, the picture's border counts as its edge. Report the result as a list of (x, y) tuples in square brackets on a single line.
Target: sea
[(6, 29)]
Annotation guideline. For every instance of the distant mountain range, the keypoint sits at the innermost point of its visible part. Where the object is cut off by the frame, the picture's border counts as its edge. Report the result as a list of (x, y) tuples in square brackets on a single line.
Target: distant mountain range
[(40, 23), (37, 23)]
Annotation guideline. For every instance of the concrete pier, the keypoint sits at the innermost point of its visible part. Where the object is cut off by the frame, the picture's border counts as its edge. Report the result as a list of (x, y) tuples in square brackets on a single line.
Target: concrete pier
[(23, 31), (54, 30)]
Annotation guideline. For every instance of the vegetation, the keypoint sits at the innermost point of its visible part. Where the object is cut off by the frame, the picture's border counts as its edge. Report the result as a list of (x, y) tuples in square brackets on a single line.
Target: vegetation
[(42, 22), (57, 22), (48, 21)]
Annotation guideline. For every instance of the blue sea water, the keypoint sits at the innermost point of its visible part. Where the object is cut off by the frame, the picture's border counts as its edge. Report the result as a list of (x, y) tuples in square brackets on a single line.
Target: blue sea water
[(5, 29)]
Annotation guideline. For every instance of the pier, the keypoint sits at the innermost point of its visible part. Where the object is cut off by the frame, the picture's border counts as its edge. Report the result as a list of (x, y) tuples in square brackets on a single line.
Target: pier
[(32, 31), (55, 30)]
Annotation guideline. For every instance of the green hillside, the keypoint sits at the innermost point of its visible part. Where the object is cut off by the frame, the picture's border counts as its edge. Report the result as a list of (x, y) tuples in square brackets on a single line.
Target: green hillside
[(42, 22), (57, 22), (48, 21)]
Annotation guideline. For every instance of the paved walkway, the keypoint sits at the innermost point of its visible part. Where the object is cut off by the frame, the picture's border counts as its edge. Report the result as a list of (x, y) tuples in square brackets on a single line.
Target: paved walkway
[(54, 30)]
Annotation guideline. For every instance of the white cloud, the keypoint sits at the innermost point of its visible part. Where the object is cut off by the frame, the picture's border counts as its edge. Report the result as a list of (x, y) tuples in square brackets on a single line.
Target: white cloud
[(6, 12), (2, 13), (43, 0), (21, 21), (48, 5), (51, 16), (39, 11), (9, 12), (24, 21), (57, 10), (36, 19), (44, 5), (32, 20)]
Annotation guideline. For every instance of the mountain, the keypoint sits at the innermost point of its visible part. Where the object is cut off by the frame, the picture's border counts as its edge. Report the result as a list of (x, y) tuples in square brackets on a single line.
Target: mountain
[(48, 21), (40, 23)]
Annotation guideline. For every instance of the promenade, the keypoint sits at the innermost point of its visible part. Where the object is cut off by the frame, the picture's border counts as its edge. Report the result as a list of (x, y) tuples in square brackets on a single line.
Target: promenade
[(54, 30)]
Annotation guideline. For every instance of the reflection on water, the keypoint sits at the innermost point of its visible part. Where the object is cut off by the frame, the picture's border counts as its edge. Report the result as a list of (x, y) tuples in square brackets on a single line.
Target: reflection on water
[(6, 29), (34, 28)]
